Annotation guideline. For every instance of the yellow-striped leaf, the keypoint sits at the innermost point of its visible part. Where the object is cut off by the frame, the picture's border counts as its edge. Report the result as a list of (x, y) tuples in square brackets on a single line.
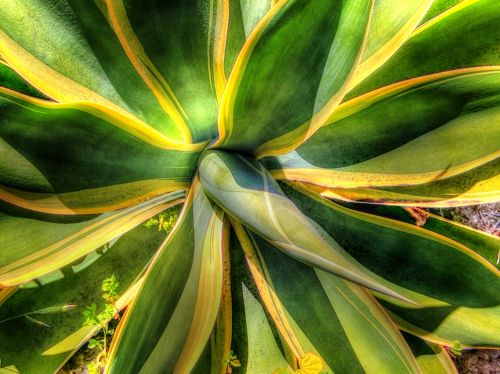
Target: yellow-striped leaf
[(32, 247), (317, 312), (431, 139), (65, 159), (181, 296), (431, 358), (275, 91), (458, 302), (34, 349), (75, 56), (464, 36)]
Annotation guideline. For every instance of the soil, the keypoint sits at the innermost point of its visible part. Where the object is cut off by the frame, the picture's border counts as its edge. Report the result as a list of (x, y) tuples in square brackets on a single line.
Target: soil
[(485, 217), (479, 362)]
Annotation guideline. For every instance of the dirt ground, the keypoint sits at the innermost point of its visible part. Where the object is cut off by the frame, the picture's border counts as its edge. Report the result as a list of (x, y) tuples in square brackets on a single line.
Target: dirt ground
[(479, 362)]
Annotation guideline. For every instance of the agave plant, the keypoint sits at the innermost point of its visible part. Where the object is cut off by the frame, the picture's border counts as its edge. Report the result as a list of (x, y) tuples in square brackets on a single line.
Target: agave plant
[(297, 134)]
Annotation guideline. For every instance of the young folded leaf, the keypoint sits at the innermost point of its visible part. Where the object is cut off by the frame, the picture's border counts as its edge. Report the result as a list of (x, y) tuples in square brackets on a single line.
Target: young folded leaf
[(234, 180)]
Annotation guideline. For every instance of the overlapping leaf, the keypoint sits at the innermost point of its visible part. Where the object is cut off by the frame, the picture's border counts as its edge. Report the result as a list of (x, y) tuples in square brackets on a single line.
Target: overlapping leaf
[(9, 79), (438, 7), (464, 36), (431, 358), (75, 56), (33, 348), (242, 18), (318, 312), (432, 140), (32, 247), (139, 82), (170, 321), (391, 24), (286, 83), (234, 181), (67, 159), (417, 262), (486, 245), (255, 341), (173, 47)]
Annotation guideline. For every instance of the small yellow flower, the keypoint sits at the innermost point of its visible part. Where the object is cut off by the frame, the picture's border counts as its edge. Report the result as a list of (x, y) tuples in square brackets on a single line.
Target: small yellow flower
[(310, 363)]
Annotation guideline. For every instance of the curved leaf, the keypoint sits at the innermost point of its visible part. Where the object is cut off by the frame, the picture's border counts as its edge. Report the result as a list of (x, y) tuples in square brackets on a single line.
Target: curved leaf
[(181, 296), (234, 181), (92, 200), (34, 349), (56, 156), (488, 246), (258, 95), (458, 302), (431, 358), (240, 19), (31, 248), (9, 79), (171, 45), (464, 36), (75, 56), (448, 122), (391, 25), (255, 341), (318, 312), (477, 186)]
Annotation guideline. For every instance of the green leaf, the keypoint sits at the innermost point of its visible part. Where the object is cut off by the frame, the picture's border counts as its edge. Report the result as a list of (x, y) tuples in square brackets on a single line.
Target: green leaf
[(9, 370), (477, 186), (482, 243), (292, 80), (242, 18), (263, 354), (54, 309), (438, 7), (75, 56), (109, 286), (391, 24), (9, 79), (94, 343), (34, 349), (220, 341), (31, 247), (173, 46), (181, 296), (90, 315), (234, 181), (65, 159), (458, 302), (36, 321), (448, 122), (255, 340), (431, 358), (465, 36), (333, 318)]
